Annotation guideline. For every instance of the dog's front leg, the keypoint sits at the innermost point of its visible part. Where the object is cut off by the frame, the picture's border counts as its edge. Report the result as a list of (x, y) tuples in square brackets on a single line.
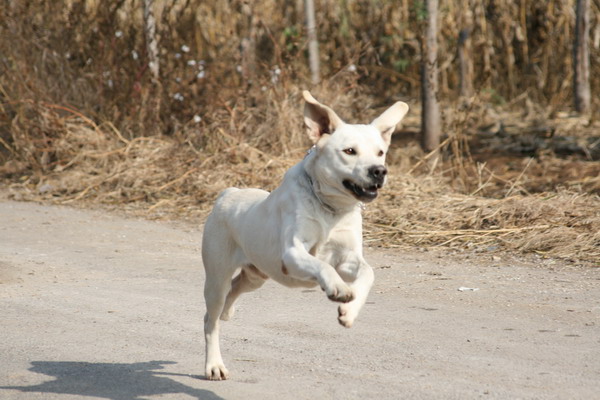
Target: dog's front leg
[(300, 264), (362, 277)]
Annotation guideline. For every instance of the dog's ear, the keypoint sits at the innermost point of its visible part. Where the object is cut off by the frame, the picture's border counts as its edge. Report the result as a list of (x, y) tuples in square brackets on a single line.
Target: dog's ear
[(319, 119), (386, 122)]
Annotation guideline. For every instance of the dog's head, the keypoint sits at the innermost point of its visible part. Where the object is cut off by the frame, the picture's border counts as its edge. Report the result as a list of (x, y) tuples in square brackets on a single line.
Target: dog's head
[(350, 159)]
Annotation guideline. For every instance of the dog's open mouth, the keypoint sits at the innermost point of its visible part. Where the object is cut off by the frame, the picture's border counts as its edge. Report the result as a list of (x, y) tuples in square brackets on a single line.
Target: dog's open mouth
[(366, 194)]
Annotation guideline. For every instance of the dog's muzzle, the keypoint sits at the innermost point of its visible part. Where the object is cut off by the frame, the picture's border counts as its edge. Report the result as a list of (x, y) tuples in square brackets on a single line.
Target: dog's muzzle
[(368, 192)]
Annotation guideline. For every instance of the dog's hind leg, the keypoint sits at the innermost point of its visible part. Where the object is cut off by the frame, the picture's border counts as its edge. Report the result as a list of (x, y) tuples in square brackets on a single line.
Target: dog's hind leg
[(219, 266), (249, 279), (214, 295)]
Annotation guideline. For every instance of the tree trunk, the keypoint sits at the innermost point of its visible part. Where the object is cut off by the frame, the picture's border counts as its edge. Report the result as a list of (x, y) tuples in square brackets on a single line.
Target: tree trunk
[(581, 58), (151, 41), (248, 44), (151, 99), (313, 43), (465, 52), (430, 119)]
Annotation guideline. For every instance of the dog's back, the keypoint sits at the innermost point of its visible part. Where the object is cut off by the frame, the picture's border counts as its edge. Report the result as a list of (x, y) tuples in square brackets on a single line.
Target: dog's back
[(220, 242), (231, 206)]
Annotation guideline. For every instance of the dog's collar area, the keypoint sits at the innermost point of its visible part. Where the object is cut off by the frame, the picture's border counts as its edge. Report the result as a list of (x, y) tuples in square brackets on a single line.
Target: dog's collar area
[(309, 180)]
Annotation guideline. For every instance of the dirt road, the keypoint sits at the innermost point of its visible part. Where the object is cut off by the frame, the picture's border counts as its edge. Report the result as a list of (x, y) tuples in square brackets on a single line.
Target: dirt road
[(100, 306)]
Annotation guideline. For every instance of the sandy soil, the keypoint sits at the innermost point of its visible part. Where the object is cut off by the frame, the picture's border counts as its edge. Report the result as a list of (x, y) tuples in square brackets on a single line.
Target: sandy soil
[(96, 305)]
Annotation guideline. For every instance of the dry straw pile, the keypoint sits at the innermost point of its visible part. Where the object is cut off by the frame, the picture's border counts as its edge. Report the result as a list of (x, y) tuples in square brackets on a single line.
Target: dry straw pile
[(82, 121)]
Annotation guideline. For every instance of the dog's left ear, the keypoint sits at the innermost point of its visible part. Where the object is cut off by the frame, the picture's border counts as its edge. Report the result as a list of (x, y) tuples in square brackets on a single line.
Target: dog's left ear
[(319, 119), (386, 122)]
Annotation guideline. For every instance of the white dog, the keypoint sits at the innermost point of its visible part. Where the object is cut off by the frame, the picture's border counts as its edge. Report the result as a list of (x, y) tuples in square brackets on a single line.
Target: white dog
[(307, 232)]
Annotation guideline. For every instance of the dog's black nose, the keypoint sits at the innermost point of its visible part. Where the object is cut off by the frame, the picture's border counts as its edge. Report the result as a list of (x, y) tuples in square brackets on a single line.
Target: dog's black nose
[(378, 172)]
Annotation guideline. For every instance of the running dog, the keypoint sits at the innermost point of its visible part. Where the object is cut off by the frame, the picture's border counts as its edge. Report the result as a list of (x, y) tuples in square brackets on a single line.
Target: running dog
[(307, 232)]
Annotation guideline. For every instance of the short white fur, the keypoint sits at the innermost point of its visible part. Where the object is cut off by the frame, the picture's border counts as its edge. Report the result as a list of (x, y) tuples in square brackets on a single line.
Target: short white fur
[(307, 232)]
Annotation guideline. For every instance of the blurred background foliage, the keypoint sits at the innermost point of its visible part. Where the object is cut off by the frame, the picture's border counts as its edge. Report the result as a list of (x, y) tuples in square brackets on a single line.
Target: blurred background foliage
[(91, 55)]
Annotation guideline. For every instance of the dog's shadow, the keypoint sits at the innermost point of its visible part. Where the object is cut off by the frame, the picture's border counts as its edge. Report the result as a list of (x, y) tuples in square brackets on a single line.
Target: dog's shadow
[(111, 381)]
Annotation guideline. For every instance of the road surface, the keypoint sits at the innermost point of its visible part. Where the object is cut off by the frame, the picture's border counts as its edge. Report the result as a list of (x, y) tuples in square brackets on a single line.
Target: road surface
[(97, 305)]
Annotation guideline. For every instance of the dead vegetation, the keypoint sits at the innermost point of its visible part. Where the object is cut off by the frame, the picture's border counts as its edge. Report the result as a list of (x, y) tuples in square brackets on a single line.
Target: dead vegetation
[(82, 121)]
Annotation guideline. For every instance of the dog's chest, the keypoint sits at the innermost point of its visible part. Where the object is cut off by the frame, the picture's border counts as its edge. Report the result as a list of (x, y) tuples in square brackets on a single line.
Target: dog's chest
[(336, 235)]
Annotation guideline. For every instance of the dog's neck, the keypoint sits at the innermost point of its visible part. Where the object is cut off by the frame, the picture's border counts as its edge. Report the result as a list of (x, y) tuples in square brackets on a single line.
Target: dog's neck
[(311, 185)]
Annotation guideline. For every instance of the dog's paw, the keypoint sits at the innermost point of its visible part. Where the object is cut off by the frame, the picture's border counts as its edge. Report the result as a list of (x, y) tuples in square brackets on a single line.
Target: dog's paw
[(346, 315), (227, 314), (341, 293), (216, 372)]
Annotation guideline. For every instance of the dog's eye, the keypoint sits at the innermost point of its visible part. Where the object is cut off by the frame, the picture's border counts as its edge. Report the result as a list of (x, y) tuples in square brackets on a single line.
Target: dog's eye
[(350, 151), (380, 154)]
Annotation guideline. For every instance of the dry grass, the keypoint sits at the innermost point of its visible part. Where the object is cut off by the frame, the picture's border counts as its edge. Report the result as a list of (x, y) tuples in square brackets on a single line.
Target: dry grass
[(170, 177), (424, 212), (81, 122)]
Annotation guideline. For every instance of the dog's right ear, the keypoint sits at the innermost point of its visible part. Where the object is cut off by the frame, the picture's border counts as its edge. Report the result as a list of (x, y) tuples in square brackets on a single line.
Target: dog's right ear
[(319, 119)]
